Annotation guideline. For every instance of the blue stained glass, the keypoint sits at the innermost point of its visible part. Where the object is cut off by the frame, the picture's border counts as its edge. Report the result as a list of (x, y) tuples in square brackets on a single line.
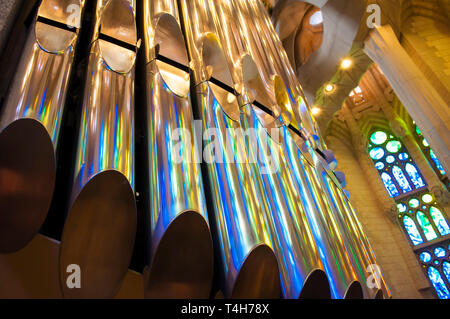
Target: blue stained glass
[(412, 230), (437, 163), (439, 221), (377, 153), (425, 257), (438, 283), (379, 165), (401, 179), (389, 184), (390, 159), (414, 175), (403, 156), (425, 224), (439, 252), (446, 270), (402, 207)]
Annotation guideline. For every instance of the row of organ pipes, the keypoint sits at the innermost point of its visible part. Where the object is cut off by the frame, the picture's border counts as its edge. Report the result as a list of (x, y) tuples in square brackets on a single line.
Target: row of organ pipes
[(266, 207)]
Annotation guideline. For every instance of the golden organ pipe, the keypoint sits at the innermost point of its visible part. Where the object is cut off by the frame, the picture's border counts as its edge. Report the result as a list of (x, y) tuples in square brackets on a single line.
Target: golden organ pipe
[(30, 123), (248, 265), (301, 269), (181, 250), (100, 228)]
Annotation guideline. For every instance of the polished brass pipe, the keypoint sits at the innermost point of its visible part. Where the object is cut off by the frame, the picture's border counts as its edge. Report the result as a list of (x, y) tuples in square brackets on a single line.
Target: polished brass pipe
[(30, 122), (363, 257), (301, 269), (248, 264), (100, 228), (329, 238), (180, 248)]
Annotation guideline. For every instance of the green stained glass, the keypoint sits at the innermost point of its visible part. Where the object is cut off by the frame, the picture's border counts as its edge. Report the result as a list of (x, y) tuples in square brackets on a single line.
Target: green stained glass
[(414, 203), (393, 146), (425, 224), (418, 131), (377, 153), (439, 221), (378, 138)]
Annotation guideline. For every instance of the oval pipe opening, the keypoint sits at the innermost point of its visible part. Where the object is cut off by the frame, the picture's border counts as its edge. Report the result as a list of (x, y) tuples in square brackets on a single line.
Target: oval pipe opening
[(183, 262), (283, 101), (52, 38), (99, 236), (354, 291), (216, 66), (316, 286), (255, 91), (27, 181), (259, 276), (118, 22), (169, 43)]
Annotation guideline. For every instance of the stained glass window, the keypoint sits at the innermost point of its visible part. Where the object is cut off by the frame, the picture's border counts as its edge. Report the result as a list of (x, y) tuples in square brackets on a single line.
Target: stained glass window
[(422, 220), (431, 156), (438, 283), (398, 172), (439, 221), (412, 230)]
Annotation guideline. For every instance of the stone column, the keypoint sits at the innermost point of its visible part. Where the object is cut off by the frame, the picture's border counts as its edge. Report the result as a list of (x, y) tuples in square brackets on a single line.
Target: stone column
[(420, 98), (373, 177)]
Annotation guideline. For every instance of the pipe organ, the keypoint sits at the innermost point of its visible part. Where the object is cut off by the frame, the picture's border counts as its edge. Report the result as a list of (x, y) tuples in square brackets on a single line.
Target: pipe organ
[(240, 194)]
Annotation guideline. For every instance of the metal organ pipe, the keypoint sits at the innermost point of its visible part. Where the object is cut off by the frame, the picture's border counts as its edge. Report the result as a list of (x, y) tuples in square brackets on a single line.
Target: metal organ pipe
[(30, 123), (100, 228), (181, 250), (248, 264)]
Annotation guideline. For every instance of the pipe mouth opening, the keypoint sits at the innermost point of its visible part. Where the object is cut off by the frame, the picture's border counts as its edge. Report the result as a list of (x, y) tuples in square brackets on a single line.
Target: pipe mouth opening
[(354, 291), (183, 263), (118, 36), (99, 236), (27, 182), (257, 93), (170, 44), (54, 39), (316, 286), (283, 101), (259, 276), (216, 67)]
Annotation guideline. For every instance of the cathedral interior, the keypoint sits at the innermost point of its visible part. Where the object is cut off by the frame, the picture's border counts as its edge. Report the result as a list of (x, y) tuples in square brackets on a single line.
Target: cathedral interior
[(224, 149)]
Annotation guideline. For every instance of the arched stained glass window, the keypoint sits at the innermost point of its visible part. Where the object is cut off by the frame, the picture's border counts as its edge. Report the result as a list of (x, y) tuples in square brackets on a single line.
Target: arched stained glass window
[(426, 226), (446, 270), (439, 221), (401, 179), (389, 184), (412, 230), (414, 176), (431, 156), (438, 283), (418, 212), (398, 171)]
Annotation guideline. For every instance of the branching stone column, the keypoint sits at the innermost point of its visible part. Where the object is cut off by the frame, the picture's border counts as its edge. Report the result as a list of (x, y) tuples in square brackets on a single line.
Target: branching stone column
[(373, 177), (420, 98)]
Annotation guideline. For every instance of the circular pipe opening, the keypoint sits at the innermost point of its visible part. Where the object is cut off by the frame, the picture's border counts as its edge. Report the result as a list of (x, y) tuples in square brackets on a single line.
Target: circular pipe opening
[(259, 277), (354, 291), (169, 42), (216, 66), (27, 181), (99, 236), (118, 21), (316, 286), (183, 263)]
